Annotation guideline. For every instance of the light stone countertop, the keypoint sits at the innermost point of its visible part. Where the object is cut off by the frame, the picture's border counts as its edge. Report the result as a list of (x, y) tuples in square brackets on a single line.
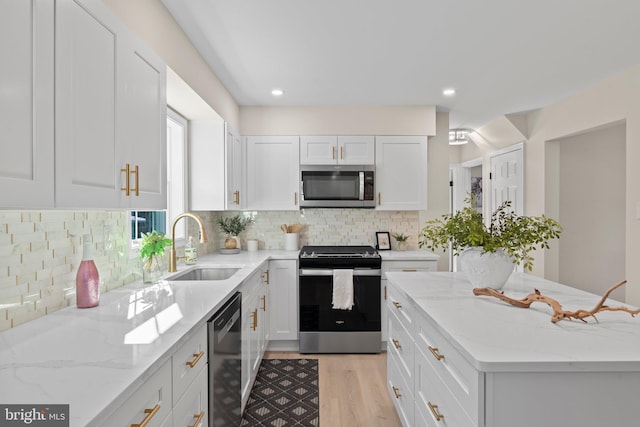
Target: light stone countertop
[(412, 255), (497, 337), (94, 359)]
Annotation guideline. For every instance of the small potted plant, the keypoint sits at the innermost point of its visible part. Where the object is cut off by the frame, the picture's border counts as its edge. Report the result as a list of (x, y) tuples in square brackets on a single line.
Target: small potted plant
[(232, 227), (401, 240), (507, 239), (151, 252)]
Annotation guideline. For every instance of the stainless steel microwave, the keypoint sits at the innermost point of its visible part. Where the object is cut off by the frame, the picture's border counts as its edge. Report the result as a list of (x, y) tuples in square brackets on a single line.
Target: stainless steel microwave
[(337, 186)]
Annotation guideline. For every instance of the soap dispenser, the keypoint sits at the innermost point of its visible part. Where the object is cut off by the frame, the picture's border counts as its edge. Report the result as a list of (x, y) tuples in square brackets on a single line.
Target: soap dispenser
[(87, 278), (190, 252)]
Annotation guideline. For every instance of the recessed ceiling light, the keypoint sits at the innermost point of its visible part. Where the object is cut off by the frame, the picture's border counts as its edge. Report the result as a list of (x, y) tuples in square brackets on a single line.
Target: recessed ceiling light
[(277, 92), (449, 92)]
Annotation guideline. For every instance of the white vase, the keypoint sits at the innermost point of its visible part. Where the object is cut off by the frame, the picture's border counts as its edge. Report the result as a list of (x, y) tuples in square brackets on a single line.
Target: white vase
[(488, 269)]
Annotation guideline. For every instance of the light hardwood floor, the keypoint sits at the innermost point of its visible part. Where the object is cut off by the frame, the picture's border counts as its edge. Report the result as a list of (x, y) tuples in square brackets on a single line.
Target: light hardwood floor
[(352, 388)]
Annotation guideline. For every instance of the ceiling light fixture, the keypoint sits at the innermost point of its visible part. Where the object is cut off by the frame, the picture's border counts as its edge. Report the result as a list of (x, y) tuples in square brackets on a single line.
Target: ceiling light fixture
[(459, 136), (277, 92), (449, 92)]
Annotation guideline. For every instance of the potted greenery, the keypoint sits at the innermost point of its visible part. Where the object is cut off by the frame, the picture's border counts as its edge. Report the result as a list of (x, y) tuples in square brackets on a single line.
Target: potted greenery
[(508, 239), (401, 240), (232, 227), (151, 252)]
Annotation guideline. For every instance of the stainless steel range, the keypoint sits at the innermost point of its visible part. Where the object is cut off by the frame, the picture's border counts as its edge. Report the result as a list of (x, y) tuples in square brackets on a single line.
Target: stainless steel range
[(324, 329)]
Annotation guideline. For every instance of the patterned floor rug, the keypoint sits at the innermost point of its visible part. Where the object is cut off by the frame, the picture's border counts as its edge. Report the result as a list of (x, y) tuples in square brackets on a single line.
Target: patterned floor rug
[(285, 394)]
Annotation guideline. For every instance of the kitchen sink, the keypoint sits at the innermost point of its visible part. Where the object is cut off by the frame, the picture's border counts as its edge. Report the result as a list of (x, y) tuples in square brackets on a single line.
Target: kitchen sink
[(207, 273)]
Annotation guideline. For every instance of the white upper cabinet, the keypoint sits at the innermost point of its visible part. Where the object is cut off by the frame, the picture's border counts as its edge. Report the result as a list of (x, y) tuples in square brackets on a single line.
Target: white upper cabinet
[(27, 104), (143, 129), (272, 172), (110, 113), (235, 191), (215, 166), (401, 172), (337, 150)]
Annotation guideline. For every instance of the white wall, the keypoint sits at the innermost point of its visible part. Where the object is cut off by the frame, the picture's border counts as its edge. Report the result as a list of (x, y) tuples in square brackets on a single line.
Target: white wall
[(592, 209), (338, 120)]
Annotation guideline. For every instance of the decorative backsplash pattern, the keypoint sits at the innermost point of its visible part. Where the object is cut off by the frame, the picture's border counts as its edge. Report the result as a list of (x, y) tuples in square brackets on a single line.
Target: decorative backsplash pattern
[(40, 251)]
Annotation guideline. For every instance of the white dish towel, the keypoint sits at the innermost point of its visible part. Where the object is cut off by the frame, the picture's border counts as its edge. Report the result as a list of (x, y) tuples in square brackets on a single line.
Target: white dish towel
[(342, 289)]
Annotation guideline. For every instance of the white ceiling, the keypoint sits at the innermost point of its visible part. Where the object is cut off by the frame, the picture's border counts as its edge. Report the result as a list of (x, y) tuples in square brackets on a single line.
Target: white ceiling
[(501, 56)]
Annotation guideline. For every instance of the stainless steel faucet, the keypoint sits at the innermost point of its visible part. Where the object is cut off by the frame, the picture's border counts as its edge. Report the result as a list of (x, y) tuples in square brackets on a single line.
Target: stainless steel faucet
[(172, 253)]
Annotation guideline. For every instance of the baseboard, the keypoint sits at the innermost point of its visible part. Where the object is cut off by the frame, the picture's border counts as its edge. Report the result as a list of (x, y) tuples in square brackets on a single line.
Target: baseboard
[(284, 345)]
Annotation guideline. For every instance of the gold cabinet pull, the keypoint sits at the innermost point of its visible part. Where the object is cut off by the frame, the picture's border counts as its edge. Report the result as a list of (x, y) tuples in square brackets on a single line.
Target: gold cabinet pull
[(341, 150), (196, 358), (379, 199), (198, 418), (236, 197), (254, 320), (265, 276), (385, 292), (295, 198), (264, 302), (434, 351), (136, 171), (397, 304), (127, 179), (434, 410), (333, 153), (396, 344), (395, 391), (409, 270), (150, 413)]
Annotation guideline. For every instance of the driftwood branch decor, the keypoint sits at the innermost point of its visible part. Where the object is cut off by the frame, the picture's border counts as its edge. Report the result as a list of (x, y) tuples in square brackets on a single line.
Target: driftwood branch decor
[(558, 312)]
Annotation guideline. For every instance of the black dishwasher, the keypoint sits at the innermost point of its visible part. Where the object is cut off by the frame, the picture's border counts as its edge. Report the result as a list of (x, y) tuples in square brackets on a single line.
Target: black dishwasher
[(225, 370)]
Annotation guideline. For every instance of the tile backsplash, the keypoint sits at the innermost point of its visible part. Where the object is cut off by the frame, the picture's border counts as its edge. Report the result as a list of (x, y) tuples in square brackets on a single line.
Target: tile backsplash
[(40, 250)]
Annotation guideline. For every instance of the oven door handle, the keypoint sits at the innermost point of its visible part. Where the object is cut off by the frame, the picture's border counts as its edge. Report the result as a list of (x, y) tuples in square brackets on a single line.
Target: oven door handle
[(329, 272)]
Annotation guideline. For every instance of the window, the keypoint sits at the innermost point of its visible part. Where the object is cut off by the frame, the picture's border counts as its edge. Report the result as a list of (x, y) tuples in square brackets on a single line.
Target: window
[(146, 221)]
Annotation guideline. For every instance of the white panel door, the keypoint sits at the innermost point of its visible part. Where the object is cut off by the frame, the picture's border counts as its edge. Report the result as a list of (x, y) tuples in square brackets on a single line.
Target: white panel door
[(283, 281), (87, 161), (272, 172), (26, 104), (507, 179), (142, 130), (318, 150), (356, 150), (401, 172)]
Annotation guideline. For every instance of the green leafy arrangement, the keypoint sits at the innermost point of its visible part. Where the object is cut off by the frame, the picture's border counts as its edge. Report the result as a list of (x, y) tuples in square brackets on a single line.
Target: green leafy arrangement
[(516, 235), (400, 237), (234, 225), (153, 244)]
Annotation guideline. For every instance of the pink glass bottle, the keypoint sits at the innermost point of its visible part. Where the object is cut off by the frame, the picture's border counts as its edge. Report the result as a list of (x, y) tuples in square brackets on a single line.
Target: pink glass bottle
[(87, 278)]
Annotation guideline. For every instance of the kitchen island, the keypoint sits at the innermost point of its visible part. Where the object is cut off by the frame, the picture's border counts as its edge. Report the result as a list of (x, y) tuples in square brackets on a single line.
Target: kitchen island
[(463, 360), (97, 360)]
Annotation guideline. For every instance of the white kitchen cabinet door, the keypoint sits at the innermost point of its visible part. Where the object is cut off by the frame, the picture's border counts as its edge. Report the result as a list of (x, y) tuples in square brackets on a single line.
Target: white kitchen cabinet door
[(401, 172), (110, 108), (318, 150), (193, 407), (235, 193), (283, 281), (143, 128), (27, 104), (356, 150), (273, 172), (207, 165), (87, 80)]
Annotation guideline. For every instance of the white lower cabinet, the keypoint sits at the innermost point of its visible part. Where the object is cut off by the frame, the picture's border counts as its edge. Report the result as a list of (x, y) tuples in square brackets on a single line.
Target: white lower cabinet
[(150, 405), (175, 395), (398, 265), (192, 409), (283, 283), (254, 328)]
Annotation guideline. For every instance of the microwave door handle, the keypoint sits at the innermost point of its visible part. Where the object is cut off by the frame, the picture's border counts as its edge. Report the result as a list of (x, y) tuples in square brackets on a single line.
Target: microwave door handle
[(361, 177)]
